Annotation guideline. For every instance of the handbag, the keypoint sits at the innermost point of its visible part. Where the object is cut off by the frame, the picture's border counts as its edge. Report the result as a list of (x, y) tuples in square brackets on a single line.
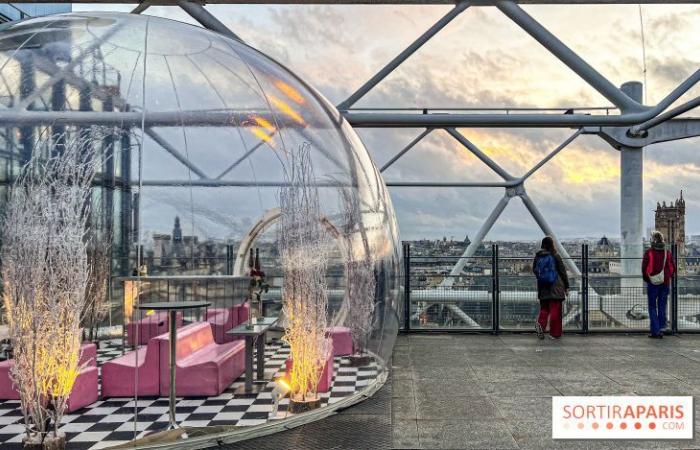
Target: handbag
[(558, 290), (658, 278)]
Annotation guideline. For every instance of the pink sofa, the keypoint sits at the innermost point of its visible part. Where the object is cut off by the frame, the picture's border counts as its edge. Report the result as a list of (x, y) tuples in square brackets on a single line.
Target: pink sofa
[(84, 391), (149, 326), (203, 367), (326, 379), (342, 340), (119, 374), (223, 319)]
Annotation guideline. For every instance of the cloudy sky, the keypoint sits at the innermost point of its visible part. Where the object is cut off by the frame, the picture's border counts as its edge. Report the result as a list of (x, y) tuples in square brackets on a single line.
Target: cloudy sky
[(482, 59)]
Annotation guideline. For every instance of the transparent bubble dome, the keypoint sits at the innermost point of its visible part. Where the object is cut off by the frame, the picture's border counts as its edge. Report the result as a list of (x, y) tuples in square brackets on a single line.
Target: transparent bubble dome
[(196, 128)]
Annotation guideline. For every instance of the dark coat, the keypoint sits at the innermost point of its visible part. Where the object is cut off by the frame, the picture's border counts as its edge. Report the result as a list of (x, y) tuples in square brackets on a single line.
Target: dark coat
[(658, 252), (545, 292)]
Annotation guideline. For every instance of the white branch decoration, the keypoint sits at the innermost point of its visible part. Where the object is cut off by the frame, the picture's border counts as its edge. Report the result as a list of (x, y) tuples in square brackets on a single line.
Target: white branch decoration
[(359, 273), (303, 247), (45, 274)]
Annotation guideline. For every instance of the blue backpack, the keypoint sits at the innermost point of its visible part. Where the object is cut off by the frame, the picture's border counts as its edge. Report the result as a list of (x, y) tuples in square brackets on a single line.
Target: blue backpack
[(545, 270)]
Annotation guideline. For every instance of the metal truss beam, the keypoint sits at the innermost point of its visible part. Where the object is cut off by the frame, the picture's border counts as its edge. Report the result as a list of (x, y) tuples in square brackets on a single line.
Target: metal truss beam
[(478, 239), (406, 149), (448, 184), (547, 230), (379, 2), (567, 56), (224, 118), (207, 19), (175, 153), (200, 118), (411, 49), (479, 154), (457, 120), (671, 130), (141, 7), (638, 130)]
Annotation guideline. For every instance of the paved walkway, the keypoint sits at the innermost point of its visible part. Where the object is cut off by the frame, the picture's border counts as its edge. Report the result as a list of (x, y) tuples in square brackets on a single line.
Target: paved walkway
[(494, 392), (486, 392)]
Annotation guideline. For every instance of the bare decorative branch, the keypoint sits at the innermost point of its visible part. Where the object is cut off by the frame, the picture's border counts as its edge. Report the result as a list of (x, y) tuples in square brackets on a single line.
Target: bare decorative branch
[(359, 301), (45, 273), (304, 247)]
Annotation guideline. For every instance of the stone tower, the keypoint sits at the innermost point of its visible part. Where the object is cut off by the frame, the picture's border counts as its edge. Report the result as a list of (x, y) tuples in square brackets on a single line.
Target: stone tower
[(670, 221)]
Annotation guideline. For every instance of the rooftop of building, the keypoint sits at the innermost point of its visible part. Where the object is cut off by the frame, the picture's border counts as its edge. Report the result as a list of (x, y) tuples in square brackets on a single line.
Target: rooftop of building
[(486, 391)]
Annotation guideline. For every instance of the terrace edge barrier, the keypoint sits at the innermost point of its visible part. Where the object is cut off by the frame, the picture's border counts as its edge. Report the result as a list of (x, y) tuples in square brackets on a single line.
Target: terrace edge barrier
[(495, 327)]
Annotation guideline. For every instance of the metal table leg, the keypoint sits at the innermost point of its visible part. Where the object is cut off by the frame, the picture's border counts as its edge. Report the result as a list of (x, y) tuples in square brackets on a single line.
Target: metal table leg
[(249, 363), (173, 342), (261, 357)]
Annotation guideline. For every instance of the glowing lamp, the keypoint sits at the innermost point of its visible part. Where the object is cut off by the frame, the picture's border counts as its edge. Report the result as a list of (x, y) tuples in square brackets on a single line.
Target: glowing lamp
[(278, 393)]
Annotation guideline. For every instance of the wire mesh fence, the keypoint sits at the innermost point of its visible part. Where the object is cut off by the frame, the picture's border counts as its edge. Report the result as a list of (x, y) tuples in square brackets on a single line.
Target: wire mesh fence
[(490, 292)]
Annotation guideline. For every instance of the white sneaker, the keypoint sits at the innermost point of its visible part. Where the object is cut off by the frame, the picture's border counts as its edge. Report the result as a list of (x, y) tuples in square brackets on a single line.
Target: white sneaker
[(539, 330)]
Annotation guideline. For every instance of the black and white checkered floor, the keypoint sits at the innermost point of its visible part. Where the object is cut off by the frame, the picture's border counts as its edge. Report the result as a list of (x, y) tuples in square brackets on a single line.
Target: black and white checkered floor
[(111, 422)]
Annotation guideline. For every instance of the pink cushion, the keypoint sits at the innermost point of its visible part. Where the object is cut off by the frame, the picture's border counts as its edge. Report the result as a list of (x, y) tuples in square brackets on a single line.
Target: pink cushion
[(342, 340), (119, 374), (203, 367), (149, 327)]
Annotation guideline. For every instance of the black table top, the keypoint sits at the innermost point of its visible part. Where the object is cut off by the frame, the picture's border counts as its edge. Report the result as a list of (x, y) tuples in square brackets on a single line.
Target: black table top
[(170, 306), (257, 329)]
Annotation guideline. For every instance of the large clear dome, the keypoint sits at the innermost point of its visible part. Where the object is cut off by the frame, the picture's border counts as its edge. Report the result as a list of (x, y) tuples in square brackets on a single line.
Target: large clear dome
[(196, 130)]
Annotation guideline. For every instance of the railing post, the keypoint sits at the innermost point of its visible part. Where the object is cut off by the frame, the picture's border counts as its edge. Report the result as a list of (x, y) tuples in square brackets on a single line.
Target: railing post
[(584, 288), (407, 286), (229, 259), (674, 290), (495, 288)]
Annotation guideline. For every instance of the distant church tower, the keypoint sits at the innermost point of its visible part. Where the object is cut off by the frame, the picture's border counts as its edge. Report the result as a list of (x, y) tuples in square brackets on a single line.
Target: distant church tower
[(670, 221)]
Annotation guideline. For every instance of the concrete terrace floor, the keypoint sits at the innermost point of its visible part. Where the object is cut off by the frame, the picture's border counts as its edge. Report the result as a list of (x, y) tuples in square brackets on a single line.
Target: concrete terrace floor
[(484, 391), (494, 392)]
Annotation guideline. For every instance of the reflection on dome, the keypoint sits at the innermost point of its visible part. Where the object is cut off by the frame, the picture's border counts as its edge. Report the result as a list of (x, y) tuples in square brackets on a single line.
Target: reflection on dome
[(199, 129)]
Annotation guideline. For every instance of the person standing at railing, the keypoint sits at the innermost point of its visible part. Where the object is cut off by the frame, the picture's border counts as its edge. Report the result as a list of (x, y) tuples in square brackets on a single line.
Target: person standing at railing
[(552, 288), (657, 270)]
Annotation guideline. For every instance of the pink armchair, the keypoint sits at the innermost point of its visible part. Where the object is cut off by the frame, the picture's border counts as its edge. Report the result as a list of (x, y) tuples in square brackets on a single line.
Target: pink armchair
[(203, 367), (84, 391), (342, 340), (119, 375), (149, 326), (223, 319)]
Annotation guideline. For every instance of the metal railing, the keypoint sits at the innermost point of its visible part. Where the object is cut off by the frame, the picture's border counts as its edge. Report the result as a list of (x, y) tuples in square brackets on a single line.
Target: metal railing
[(499, 293)]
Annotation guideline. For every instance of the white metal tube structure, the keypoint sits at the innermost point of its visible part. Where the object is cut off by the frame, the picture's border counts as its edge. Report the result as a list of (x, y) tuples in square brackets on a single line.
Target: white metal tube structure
[(411, 49), (478, 239), (479, 154), (546, 229), (201, 15), (568, 57), (631, 201), (410, 145)]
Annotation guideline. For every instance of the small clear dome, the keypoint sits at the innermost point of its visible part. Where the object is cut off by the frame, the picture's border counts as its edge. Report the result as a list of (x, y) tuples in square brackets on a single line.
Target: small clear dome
[(198, 132)]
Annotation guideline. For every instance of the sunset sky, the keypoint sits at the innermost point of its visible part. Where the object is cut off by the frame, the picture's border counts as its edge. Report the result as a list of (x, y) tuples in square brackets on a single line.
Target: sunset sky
[(482, 59)]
